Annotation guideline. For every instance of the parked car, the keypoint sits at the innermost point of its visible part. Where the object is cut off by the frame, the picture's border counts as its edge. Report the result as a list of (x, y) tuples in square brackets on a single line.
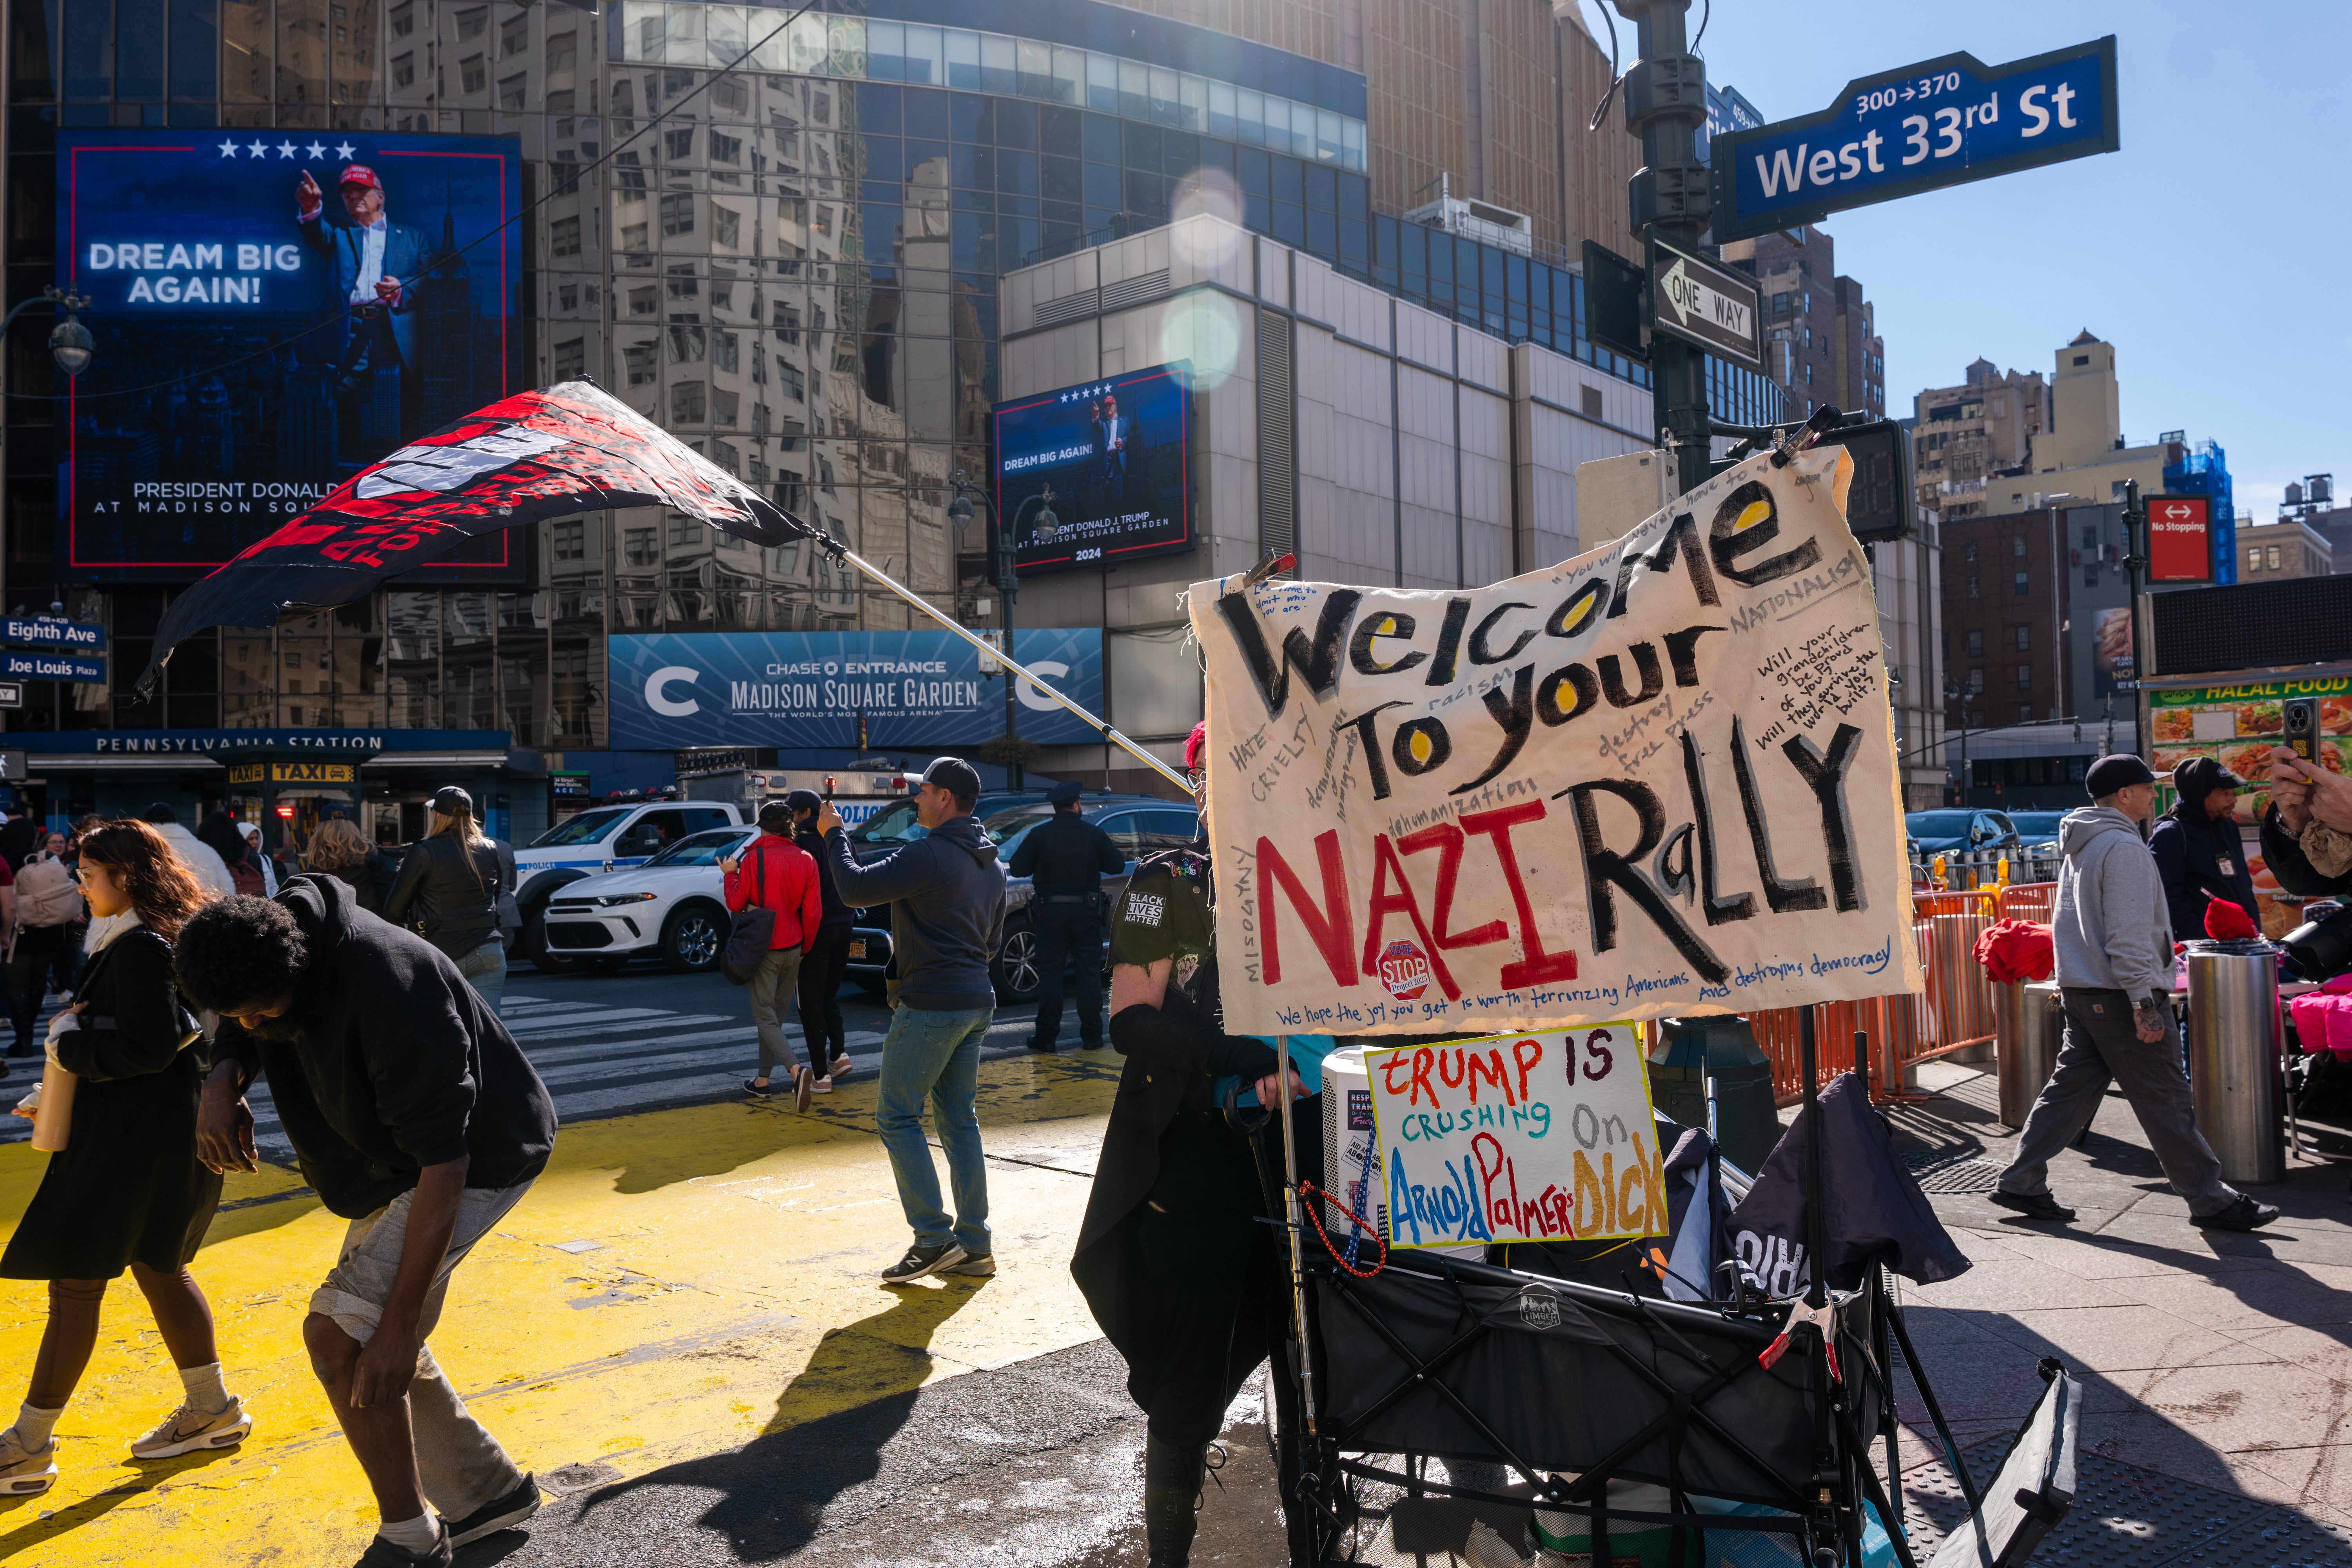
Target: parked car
[(1138, 825), (673, 907), (1961, 831), (602, 839)]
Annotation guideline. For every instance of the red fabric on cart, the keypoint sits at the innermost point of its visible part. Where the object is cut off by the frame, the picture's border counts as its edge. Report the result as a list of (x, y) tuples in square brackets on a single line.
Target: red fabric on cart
[(2015, 950), (2324, 1023)]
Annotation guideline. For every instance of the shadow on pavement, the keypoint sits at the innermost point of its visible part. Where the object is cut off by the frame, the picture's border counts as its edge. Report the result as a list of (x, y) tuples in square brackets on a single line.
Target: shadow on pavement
[(830, 1425)]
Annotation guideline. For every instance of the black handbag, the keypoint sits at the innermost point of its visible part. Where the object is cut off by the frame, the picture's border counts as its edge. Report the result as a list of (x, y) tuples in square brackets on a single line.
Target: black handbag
[(750, 933)]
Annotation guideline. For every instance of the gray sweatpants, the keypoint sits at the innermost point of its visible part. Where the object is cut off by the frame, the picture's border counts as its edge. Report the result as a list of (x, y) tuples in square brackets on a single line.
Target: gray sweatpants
[(774, 985), (2100, 1048), (460, 1464)]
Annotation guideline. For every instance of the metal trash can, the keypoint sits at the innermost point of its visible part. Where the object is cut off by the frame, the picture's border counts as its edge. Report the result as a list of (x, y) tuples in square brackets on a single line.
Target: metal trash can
[(1685, 1053), (2031, 1025), (2234, 1051)]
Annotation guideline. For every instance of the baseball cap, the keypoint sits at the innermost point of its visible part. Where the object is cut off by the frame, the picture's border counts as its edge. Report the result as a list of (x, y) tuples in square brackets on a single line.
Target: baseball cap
[(954, 775), (776, 815), (1067, 790), (804, 800), (449, 799), (359, 174), (2121, 770)]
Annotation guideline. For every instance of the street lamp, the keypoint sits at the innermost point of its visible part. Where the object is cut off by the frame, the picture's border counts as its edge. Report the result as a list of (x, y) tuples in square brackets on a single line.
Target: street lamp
[(70, 343), (1008, 585)]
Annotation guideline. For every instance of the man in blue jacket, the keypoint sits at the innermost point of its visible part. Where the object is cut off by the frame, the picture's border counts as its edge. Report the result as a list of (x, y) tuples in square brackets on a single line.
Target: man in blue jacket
[(375, 264), (946, 893)]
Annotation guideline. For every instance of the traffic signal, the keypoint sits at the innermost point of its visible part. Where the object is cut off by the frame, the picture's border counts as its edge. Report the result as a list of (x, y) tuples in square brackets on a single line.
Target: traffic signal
[(1879, 502)]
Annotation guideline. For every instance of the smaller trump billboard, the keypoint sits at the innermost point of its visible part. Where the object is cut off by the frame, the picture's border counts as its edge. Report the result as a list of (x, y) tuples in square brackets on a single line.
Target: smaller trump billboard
[(890, 689), (1097, 474)]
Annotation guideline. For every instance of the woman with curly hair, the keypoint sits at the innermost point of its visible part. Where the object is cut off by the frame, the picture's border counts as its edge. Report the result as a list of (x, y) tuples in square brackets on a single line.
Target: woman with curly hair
[(127, 1190), (342, 851)]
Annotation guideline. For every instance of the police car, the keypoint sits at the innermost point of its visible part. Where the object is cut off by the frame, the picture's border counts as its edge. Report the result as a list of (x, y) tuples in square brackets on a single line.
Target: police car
[(603, 838), (1139, 825), (673, 907)]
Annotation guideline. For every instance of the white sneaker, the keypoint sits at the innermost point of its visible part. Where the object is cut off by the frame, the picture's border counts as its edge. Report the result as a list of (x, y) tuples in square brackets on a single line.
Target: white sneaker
[(23, 1474), (188, 1430), (822, 1086)]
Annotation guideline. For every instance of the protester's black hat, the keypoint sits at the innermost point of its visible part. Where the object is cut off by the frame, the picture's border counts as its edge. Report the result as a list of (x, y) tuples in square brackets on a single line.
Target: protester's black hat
[(448, 800), (954, 775), (804, 800), (2121, 770), (1064, 792), (2200, 776)]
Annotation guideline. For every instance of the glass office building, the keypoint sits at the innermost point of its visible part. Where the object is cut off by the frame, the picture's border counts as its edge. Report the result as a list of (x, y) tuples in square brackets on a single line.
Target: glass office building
[(795, 270)]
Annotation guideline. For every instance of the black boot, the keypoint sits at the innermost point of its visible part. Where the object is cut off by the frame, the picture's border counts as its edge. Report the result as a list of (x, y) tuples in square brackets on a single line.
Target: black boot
[(1171, 1493)]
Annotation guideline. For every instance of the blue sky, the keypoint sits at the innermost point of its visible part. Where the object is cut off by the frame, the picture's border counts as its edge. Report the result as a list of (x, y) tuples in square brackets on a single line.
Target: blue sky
[(2187, 249)]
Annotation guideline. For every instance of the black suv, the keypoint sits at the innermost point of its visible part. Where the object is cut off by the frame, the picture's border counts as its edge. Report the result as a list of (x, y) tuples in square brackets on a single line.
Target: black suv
[(1140, 824)]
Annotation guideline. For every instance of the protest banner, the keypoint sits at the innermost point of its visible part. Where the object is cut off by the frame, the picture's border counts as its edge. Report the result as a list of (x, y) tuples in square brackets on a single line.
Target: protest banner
[(1657, 779), (1535, 1137)]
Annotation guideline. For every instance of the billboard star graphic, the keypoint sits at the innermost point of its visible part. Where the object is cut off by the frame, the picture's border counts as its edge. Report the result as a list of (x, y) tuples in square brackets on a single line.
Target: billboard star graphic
[(369, 258)]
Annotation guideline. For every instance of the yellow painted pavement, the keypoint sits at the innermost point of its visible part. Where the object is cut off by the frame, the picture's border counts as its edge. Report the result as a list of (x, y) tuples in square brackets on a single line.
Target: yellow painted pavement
[(730, 1291)]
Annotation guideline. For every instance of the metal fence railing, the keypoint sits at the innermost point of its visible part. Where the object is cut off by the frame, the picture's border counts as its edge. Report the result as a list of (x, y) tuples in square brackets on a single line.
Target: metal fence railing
[(1954, 1013)]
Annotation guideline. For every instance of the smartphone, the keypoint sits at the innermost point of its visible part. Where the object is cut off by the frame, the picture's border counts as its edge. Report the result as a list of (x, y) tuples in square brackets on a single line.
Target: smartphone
[(2301, 734)]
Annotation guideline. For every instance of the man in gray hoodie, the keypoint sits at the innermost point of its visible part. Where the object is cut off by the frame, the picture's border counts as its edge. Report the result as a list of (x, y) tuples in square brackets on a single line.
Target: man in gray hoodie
[(946, 893), (2113, 941)]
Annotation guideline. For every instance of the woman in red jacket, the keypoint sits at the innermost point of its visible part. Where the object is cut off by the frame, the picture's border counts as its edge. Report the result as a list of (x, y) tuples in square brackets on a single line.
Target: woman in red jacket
[(776, 874)]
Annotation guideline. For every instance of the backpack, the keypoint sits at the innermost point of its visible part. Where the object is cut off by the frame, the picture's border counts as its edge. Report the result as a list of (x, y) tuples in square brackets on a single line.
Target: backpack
[(248, 878), (47, 894)]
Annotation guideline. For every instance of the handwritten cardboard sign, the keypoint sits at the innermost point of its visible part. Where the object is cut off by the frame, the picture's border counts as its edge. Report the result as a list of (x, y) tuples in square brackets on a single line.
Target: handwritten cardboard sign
[(1657, 779), (1534, 1137)]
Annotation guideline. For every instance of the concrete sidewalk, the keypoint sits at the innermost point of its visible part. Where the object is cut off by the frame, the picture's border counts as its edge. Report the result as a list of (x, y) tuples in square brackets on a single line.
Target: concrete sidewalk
[(2216, 1367)]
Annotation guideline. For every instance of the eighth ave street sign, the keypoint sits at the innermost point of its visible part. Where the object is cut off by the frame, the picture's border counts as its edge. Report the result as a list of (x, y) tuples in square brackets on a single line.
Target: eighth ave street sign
[(1706, 304)]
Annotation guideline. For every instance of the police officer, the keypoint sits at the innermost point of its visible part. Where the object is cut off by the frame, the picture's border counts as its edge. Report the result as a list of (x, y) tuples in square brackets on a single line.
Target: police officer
[(1069, 857), (1173, 1258)]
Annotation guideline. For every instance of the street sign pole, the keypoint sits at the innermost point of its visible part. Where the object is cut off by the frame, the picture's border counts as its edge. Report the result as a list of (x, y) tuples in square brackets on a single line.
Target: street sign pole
[(1672, 201), (2136, 539)]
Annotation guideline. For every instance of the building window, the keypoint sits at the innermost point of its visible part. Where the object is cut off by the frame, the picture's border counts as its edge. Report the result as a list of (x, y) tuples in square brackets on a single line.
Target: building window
[(788, 377), (677, 145), (2025, 678), (723, 406), (726, 149), (640, 357), (2271, 558), (1976, 681), (2090, 576), (404, 71), (563, 236), (677, 213), (473, 74), (404, 20), (514, 38), (2025, 712), (511, 94), (726, 225), (724, 347), (563, 52), (571, 540), (1968, 551), (1973, 590), (638, 549), (571, 359), (2017, 545), (1976, 645), (686, 403), (470, 24), (2023, 585), (2024, 639)]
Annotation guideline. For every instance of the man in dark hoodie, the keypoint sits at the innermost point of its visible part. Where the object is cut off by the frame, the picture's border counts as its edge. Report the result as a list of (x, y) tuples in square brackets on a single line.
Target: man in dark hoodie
[(2199, 851), (416, 1117), (946, 893)]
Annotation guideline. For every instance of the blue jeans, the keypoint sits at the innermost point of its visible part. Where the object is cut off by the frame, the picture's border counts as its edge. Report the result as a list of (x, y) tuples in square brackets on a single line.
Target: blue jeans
[(938, 1055)]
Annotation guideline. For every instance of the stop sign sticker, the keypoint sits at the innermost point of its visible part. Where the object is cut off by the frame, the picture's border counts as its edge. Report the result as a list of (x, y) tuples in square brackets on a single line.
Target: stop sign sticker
[(1404, 971)]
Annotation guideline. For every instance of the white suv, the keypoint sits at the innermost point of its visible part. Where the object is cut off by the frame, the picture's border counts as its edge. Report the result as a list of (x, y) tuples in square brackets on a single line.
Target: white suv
[(673, 906), (600, 840)]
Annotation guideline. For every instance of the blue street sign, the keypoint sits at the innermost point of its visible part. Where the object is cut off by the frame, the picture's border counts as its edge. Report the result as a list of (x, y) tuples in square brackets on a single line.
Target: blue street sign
[(49, 667), (42, 632), (1938, 123)]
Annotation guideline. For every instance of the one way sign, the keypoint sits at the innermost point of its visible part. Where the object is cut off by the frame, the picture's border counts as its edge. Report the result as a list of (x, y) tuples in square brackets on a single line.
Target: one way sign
[(1706, 304)]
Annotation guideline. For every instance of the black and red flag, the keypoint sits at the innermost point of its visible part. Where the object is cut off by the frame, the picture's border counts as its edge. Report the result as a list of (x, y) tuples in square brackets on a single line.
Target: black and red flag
[(564, 448)]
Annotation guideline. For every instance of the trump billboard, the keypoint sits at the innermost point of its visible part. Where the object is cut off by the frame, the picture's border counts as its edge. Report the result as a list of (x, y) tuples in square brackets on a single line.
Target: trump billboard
[(301, 304)]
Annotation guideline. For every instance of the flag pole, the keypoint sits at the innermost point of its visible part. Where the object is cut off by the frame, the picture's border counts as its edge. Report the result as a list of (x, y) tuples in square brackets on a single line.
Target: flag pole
[(1002, 656)]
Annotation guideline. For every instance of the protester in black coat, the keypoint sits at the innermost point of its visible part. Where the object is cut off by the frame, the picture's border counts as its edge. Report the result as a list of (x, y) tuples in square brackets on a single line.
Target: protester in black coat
[(127, 1190), (2199, 850)]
